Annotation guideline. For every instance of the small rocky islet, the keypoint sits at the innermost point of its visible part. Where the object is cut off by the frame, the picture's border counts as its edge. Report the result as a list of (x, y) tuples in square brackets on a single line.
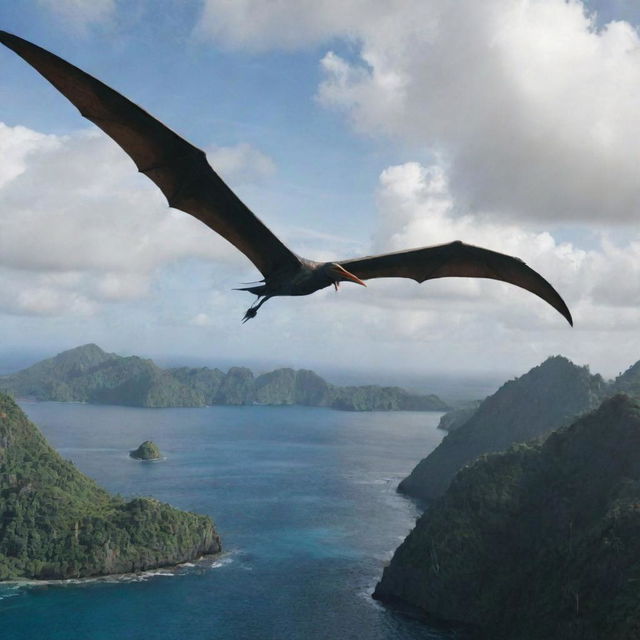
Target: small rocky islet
[(57, 523), (147, 451)]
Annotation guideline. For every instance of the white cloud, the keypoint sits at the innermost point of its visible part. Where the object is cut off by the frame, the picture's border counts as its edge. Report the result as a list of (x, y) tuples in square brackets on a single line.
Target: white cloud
[(83, 223), (259, 25), (241, 163), (532, 107), (16, 145), (534, 111), (79, 14), (201, 320), (417, 209)]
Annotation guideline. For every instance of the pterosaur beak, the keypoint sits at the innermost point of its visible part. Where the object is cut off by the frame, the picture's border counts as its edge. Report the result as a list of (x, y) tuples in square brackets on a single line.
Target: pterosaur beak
[(346, 275)]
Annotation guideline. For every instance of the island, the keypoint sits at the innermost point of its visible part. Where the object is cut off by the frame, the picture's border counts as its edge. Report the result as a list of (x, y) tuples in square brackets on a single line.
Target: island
[(89, 374), (56, 523), (538, 542), (547, 397), (148, 450)]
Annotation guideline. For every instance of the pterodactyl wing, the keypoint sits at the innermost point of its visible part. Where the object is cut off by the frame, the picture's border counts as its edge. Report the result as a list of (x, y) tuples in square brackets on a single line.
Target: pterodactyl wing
[(456, 260), (176, 166)]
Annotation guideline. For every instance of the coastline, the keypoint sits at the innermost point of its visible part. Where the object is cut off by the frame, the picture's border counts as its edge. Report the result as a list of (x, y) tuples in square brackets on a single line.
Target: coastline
[(206, 561)]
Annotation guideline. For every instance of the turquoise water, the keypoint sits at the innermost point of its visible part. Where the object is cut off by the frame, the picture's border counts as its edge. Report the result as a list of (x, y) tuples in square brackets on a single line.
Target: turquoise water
[(304, 500)]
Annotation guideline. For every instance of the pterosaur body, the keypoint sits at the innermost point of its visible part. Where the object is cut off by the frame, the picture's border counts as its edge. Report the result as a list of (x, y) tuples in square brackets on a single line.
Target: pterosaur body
[(190, 184)]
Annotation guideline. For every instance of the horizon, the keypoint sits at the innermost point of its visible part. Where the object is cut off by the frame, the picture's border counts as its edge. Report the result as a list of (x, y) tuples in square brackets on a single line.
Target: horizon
[(409, 148), (454, 388)]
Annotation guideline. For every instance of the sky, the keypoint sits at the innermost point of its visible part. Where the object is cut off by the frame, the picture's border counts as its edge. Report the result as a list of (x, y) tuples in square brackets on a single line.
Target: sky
[(349, 127)]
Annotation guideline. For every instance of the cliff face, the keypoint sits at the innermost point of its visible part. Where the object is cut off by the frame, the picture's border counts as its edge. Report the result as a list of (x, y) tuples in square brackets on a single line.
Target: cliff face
[(542, 541), (56, 522), (88, 374), (538, 402)]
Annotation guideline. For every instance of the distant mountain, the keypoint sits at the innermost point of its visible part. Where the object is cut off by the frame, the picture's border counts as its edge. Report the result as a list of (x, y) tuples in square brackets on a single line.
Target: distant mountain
[(546, 398), (542, 541), (55, 522), (88, 374)]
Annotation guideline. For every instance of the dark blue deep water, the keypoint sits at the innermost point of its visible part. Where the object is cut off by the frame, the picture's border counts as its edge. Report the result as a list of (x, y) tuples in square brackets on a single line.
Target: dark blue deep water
[(304, 500)]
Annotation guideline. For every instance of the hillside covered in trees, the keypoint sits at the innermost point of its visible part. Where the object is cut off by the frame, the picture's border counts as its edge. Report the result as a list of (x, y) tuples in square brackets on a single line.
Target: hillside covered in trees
[(547, 397), (539, 542), (55, 522)]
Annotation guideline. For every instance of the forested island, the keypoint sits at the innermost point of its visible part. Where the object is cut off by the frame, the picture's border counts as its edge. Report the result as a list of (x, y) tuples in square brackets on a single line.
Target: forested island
[(55, 522), (148, 450), (539, 542), (89, 374)]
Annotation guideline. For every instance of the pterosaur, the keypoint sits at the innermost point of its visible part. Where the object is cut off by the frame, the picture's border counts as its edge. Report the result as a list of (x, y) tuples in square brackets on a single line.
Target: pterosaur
[(190, 184)]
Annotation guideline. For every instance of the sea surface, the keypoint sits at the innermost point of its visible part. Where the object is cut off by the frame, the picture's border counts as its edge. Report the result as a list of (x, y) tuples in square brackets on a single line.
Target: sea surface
[(304, 500)]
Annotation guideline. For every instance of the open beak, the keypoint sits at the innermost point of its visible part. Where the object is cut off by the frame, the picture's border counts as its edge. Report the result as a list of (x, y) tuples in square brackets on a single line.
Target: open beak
[(346, 275)]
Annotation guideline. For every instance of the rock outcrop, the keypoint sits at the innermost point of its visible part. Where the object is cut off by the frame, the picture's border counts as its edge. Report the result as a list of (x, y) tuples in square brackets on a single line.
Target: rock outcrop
[(148, 450)]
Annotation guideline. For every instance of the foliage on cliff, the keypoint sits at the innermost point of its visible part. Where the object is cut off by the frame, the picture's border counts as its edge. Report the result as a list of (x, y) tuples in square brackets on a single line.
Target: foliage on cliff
[(547, 397), (375, 398), (88, 374), (542, 541), (56, 522)]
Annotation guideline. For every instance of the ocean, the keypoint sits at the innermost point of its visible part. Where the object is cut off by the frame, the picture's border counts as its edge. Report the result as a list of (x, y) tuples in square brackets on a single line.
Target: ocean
[(304, 500)]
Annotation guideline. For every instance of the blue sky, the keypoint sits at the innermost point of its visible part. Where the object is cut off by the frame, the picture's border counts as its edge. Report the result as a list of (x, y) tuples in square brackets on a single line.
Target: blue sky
[(348, 127)]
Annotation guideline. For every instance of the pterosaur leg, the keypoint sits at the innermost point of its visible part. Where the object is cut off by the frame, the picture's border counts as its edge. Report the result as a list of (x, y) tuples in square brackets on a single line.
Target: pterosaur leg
[(252, 311)]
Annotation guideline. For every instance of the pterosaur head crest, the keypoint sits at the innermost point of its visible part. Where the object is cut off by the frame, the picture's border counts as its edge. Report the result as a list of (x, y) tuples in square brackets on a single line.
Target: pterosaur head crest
[(338, 274)]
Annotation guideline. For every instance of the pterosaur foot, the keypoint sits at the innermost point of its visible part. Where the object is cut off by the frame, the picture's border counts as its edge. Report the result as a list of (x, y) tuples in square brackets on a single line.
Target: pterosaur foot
[(252, 312)]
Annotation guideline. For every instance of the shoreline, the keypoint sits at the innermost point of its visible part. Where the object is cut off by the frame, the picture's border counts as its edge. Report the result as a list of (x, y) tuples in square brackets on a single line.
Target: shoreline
[(202, 562)]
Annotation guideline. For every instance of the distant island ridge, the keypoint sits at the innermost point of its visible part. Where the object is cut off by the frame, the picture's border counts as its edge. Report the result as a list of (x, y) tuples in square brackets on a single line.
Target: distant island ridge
[(89, 374)]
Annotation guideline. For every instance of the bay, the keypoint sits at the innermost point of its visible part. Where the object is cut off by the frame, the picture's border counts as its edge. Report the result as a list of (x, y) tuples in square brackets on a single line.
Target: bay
[(303, 498)]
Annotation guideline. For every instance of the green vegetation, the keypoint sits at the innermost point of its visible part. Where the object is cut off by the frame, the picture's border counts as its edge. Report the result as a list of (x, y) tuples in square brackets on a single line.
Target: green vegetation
[(148, 450), (455, 418), (628, 382), (56, 522), (88, 374), (237, 387), (546, 398), (374, 398), (542, 541)]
